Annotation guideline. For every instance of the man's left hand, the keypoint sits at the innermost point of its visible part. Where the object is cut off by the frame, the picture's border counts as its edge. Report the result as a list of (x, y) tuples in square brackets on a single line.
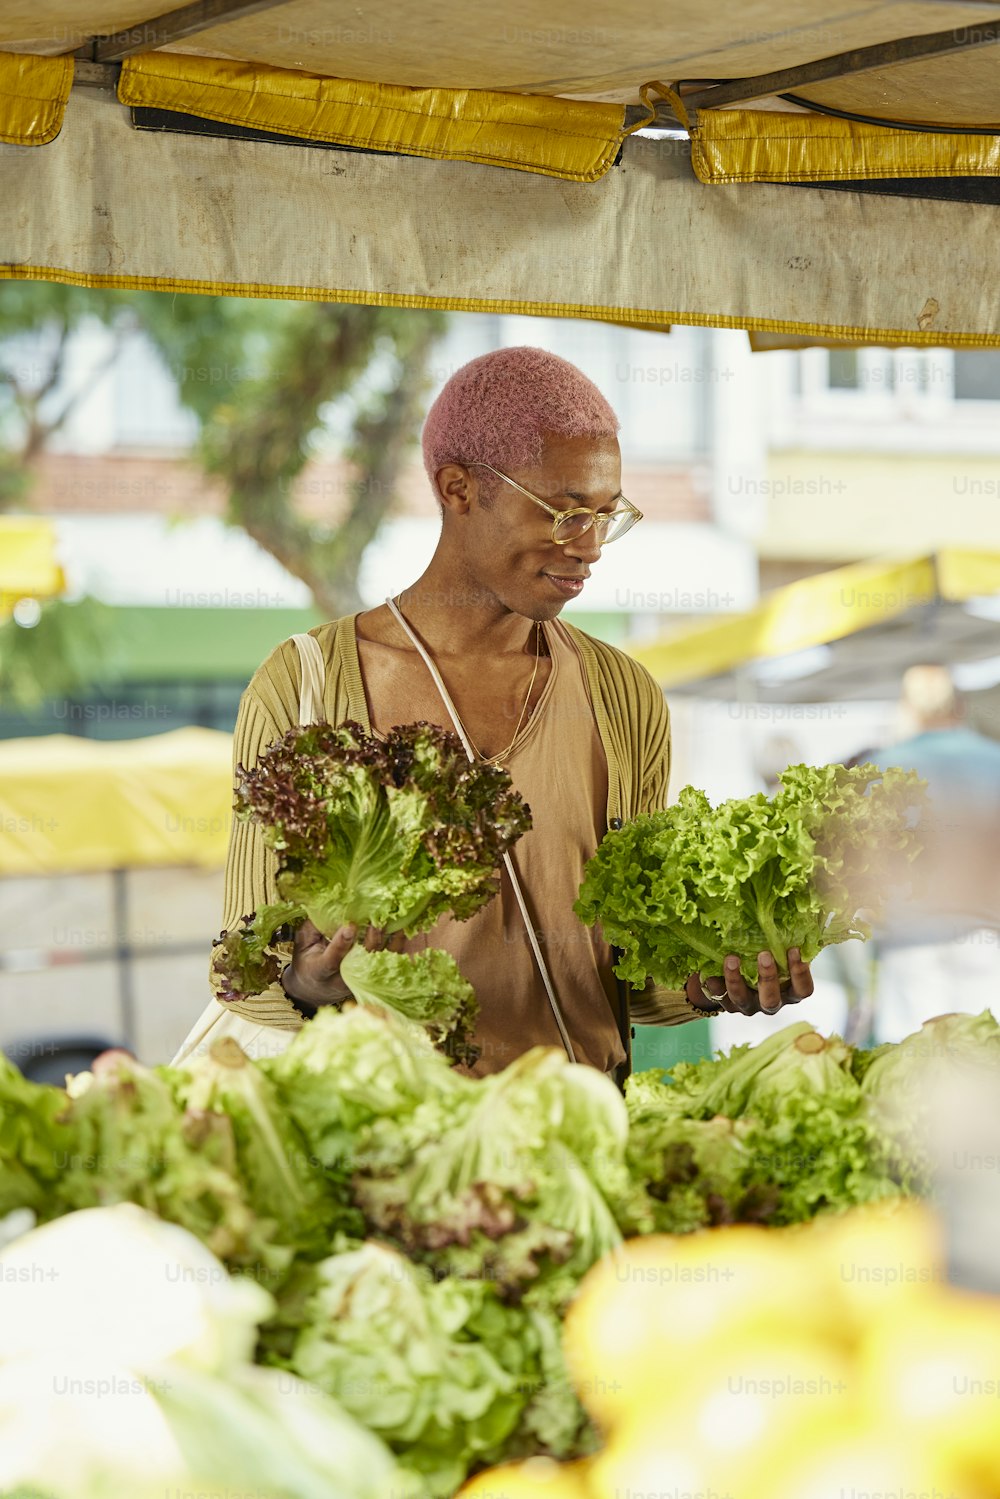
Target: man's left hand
[(735, 996)]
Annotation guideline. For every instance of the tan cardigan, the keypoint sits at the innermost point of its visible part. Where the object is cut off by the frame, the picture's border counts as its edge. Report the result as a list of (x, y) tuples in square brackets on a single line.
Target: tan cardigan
[(632, 720)]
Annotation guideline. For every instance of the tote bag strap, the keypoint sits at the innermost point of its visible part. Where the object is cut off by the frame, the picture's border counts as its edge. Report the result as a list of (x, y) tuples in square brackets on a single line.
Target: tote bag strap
[(313, 671), (508, 862)]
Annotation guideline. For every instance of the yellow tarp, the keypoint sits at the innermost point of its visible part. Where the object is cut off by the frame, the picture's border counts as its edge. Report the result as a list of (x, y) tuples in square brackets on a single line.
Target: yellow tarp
[(28, 566), (68, 805), (559, 138), (818, 610), (745, 145), (33, 96), (646, 244)]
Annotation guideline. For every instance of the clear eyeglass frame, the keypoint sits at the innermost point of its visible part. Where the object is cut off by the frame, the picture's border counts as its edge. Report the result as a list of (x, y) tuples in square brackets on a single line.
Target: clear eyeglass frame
[(570, 525)]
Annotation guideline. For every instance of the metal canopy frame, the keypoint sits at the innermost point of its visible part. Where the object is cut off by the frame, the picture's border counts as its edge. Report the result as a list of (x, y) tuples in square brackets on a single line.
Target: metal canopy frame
[(843, 64), (174, 26), (97, 59)]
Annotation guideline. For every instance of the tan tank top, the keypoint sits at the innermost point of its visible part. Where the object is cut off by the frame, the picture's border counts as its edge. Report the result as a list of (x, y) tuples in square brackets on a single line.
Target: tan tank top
[(560, 769)]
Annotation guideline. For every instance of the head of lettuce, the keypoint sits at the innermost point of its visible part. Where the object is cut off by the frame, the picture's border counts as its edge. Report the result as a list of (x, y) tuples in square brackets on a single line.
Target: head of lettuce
[(679, 890), (390, 833)]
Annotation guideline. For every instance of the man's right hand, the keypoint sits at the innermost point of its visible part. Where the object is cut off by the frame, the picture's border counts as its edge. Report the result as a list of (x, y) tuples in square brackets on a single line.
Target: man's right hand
[(313, 976)]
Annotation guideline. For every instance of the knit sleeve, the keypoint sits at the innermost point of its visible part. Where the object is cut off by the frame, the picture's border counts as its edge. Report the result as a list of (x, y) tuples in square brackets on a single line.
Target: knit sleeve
[(654, 1005), (655, 750), (251, 866)]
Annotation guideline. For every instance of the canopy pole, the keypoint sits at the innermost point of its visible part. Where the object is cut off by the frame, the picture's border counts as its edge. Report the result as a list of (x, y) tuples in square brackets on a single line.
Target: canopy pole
[(843, 64), (174, 26), (123, 957)]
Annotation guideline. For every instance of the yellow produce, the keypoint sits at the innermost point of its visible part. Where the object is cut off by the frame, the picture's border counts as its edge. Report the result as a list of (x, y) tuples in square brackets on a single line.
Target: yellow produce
[(643, 1313), (856, 1462), (650, 1462), (749, 1397), (824, 1362), (875, 1258), (933, 1371), (538, 1478), (742, 1401)]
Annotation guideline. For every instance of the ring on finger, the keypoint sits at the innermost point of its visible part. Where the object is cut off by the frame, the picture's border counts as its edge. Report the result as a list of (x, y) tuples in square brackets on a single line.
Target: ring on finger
[(714, 1000)]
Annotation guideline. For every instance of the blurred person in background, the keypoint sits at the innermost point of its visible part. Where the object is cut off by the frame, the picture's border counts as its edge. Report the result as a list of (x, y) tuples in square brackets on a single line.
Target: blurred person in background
[(777, 752), (938, 949)]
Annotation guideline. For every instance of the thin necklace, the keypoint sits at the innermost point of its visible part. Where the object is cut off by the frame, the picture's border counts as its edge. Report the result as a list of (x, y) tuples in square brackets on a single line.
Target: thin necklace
[(494, 760)]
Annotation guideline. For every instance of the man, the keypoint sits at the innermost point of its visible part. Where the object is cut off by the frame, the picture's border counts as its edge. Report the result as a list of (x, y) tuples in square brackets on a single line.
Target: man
[(940, 949), (522, 454)]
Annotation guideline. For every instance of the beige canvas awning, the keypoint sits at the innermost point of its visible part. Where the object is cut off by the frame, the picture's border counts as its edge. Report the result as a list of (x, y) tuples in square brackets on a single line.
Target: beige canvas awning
[(573, 48), (451, 156)]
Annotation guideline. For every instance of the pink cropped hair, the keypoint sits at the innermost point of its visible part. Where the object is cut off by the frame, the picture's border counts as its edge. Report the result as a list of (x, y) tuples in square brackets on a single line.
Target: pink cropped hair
[(500, 408)]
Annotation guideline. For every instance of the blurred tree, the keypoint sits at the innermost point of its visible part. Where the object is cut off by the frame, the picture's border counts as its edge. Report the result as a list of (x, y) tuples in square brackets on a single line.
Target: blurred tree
[(37, 322), (69, 646), (267, 381), (72, 648)]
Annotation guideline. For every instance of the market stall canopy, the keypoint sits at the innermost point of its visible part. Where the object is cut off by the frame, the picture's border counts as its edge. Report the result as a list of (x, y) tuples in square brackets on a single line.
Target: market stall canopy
[(449, 156), (841, 635), (28, 565), (69, 804)]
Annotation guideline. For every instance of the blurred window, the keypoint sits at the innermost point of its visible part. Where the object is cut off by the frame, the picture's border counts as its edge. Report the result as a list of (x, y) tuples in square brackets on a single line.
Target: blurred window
[(842, 369), (977, 374), (902, 398)]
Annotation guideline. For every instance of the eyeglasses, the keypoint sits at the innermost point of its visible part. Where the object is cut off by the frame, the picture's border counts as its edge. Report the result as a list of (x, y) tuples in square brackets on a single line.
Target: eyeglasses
[(569, 525)]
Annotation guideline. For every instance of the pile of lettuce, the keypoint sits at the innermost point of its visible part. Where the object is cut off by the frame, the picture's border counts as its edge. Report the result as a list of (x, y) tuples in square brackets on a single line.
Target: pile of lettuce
[(679, 890), (902, 1084), (126, 1373), (210, 1148), (774, 1133), (449, 1375), (394, 833), (420, 1233), (798, 1125)]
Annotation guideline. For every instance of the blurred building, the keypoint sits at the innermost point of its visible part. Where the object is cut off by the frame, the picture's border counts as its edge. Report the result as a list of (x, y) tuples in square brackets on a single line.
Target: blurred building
[(875, 451), (752, 470), (199, 604)]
